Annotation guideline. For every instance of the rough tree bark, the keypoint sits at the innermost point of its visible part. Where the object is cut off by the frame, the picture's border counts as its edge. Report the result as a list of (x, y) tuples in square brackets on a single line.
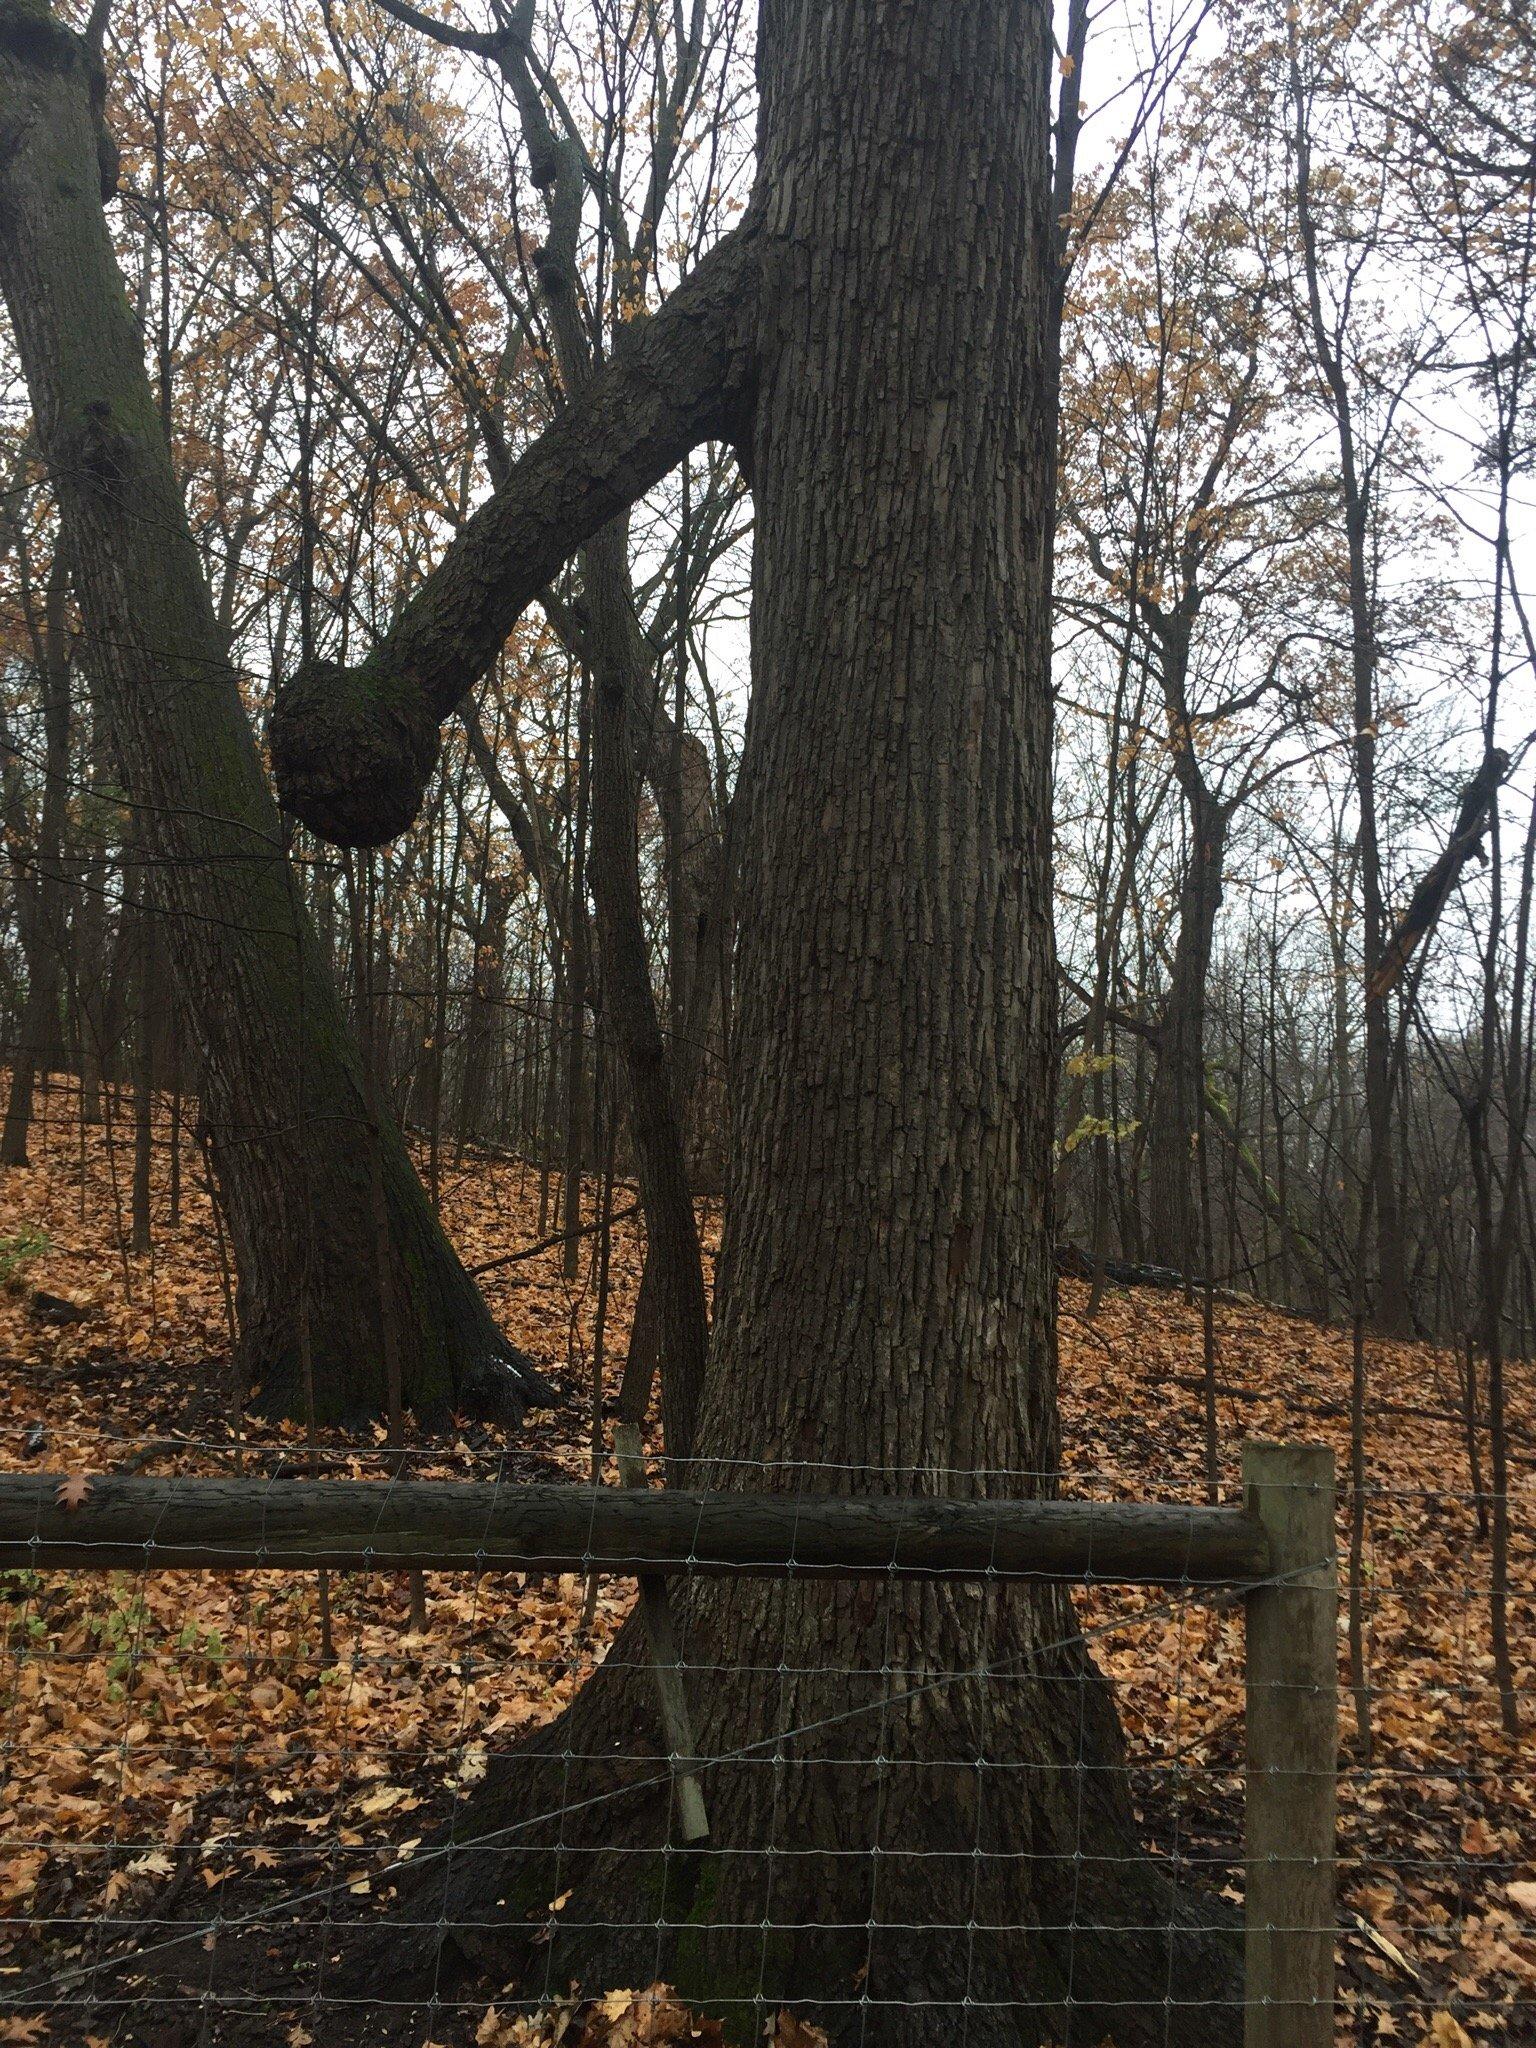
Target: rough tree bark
[(283, 1091), (885, 1296)]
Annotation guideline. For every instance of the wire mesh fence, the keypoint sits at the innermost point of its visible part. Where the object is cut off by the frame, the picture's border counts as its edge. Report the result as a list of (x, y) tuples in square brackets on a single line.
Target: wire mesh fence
[(263, 1804), (289, 1804)]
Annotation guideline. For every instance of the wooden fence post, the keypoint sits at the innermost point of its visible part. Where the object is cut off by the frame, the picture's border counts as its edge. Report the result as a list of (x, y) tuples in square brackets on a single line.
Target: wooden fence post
[(1292, 1688), (666, 1662)]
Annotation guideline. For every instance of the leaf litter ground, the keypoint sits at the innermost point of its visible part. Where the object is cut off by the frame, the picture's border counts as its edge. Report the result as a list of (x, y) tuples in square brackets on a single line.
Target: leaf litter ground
[(177, 1745)]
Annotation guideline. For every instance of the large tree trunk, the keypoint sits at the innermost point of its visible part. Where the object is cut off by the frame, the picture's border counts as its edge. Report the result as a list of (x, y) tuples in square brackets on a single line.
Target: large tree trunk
[(885, 1304), (887, 1284), (284, 1092)]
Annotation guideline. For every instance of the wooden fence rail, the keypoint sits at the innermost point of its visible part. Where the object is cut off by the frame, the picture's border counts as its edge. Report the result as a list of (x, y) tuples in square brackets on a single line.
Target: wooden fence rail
[(451, 1525), (1278, 1546)]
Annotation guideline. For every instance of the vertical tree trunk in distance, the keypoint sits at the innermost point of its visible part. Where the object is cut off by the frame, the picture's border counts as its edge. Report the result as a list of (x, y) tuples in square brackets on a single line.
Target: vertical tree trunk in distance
[(38, 880), (493, 904), (86, 877), (283, 1084), (1357, 486), (146, 965), (1174, 1103), (671, 1313), (885, 1311)]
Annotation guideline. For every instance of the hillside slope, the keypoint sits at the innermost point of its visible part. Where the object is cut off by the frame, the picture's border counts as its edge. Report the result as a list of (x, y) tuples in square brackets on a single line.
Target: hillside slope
[(180, 1747)]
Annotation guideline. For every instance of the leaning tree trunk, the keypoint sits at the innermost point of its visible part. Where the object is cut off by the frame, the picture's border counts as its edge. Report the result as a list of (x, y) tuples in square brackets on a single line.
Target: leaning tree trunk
[(283, 1092)]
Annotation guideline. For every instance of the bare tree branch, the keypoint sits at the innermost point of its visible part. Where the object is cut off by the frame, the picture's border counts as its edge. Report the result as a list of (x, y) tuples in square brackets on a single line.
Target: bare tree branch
[(352, 748)]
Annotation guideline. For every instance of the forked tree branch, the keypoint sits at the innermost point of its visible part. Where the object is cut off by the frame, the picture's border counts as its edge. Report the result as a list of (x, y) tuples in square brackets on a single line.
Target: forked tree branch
[(352, 748), (1433, 892)]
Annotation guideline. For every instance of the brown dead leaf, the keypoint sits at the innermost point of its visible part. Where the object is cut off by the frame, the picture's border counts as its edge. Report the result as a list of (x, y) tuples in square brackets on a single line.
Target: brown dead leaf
[(71, 1492), (1386, 1947), (309, 1755), (503, 2030), (1446, 2031), (381, 1800), (653, 2018), (19, 1875), (790, 2031)]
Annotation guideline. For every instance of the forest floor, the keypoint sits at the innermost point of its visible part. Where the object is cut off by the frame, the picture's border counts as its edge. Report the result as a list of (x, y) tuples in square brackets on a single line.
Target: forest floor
[(177, 1747)]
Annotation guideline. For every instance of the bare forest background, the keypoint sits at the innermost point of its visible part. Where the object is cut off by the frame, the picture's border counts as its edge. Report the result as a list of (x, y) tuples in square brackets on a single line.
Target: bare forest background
[(883, 659), (1291, 629)]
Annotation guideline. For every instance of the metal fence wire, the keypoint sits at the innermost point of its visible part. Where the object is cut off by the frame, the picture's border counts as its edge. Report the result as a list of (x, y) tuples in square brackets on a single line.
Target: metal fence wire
[(304, 1800)]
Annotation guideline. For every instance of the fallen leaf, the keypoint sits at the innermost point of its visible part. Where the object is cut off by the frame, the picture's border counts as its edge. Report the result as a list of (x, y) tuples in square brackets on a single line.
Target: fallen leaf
[(1387, 1948), (792, 2032), (1446, 2031), (69, 1493), (497, 2030), (1478, 1839), (382, 1800)]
